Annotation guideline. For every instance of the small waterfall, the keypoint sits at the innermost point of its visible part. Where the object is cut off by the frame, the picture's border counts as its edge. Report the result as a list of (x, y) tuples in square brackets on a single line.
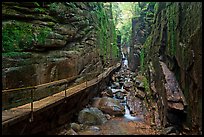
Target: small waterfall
[(123, 56), (127, 113)]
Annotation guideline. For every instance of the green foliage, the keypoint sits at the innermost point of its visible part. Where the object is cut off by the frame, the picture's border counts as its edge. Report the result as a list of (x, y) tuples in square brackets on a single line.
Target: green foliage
[(171, 32), (146, 84), (17, 36), (143, 5), (12, 54), (156, 7), (117, 13), (54, 6), (60, 9), (142, 53), (142, 60), (148, 42), (126, 32), (107, 32), (101, 15), (40, 10), (137, 11), (13, 34), (115, 49), (42, 34), (36, 4), (123, 13)]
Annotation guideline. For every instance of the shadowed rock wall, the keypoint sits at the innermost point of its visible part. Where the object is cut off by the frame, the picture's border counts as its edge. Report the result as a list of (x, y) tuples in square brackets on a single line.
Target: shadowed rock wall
[(176, 40), (49, 41)]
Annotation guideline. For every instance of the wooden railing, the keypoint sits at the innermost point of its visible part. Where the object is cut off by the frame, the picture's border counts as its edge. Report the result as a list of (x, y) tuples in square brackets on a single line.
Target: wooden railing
[(12, 115), (32, 89)]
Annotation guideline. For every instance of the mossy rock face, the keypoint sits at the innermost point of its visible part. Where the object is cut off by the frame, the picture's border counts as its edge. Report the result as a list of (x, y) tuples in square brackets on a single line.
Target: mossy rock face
[(178, 28), (65, 29), (21, 36), (54, 40), (91, 116)]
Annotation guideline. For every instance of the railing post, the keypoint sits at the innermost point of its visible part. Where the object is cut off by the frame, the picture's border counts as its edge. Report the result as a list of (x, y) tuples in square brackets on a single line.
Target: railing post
[(97, 76), (65, 94), (86, 79), (31, 118), (65, 90), (103, 73)]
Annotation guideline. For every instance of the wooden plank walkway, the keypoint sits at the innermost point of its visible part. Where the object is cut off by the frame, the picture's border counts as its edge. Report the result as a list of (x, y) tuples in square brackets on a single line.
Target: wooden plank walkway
[(18, 113)]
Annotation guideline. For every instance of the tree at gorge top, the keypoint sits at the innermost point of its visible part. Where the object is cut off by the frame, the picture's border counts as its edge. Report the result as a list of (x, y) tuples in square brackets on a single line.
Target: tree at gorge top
[(116, 12), (122, 14), (144, 16)]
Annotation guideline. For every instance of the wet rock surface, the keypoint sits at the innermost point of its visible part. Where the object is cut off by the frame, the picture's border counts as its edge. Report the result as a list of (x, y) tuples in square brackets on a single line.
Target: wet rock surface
[(183, 59), (110, 106), (107, 92), (125, 108), (56, 40), (174, 93), (91, 116), (76, 127)]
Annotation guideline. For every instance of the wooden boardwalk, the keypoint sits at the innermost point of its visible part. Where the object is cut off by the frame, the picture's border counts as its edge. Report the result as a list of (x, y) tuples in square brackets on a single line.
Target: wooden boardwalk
[(13, 115)]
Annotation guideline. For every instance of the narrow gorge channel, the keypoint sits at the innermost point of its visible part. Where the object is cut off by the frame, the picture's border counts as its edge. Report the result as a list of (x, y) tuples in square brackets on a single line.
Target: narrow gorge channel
[(123, 107), (101, 68)]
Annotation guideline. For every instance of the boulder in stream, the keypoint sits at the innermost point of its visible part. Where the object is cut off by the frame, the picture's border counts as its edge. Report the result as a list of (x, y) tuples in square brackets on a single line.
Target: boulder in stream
[(76, 127), (119, 95), (141, 86), (140, 94), (109, 105), (107, 92), (70, 132), (137, 82), (128, 85), (169, 130), (91, 116), (115, 85)]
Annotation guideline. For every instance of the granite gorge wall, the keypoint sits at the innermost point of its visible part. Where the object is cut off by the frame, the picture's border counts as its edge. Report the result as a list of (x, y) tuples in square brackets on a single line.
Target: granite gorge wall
[(43, 42), (176, 40), (49, 41)]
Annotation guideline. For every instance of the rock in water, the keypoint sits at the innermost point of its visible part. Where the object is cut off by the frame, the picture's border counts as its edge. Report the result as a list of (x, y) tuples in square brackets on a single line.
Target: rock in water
[(94, 128), (168, 130), (107, 92), (141, 86), (128, 85), (116, 84), (95, 102), (111, 106), (76, 127), (71, 132), (119, 95), (91, 116), (140, 94)]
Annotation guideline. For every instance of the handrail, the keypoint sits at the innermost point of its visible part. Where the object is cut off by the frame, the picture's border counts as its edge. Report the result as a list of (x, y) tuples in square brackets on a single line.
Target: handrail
[(101, 76), (50, 83), (54, 83)]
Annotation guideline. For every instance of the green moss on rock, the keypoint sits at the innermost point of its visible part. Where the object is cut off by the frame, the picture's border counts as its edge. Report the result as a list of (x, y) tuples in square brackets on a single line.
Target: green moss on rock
[(18, 36)]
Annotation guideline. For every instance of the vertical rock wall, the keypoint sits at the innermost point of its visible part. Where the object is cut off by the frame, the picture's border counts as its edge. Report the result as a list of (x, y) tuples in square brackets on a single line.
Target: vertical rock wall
[(176, 40), (141, 27), (49, 41)]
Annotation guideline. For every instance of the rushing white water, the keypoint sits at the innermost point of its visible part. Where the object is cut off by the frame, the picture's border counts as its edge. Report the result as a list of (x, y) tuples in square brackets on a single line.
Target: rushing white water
[(127, 111), (125, 63), (123, 55), (128, 115), (117, 90)]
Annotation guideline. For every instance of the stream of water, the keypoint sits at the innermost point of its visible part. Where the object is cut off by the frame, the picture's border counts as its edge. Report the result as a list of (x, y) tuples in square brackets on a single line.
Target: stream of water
[(133, 122), (127, 114)]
